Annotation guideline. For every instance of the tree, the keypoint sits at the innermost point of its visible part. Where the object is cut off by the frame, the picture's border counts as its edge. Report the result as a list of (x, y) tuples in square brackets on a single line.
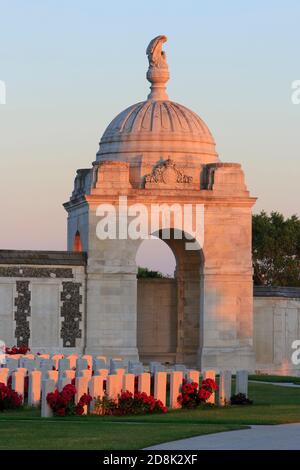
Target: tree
[(146, 273), (276, 249)]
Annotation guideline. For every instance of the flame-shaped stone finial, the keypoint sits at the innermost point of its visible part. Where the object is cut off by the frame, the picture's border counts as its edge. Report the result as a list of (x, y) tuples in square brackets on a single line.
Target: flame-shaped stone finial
[(158, 71)]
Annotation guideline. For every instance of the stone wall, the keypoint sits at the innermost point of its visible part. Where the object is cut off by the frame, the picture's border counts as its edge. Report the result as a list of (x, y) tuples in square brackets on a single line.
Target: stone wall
[(276, 323), (276, 326), (157, 319), (42, 300)]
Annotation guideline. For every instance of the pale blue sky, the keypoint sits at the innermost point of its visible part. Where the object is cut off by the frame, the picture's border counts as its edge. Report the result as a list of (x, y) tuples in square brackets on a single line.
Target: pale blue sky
[(71, 66)]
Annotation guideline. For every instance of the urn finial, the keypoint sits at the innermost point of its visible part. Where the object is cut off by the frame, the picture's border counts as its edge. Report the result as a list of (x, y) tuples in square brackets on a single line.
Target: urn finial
[(158, 71)]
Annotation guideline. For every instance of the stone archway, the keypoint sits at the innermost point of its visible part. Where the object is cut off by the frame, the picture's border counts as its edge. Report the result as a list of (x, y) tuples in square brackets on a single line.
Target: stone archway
[(169, 311)]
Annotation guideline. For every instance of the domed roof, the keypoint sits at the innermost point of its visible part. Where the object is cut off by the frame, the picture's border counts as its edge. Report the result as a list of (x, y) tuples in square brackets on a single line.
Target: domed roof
[(157, 124)]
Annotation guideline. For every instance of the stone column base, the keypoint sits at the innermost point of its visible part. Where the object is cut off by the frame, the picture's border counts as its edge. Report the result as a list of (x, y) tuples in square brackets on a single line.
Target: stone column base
[(233, 358)]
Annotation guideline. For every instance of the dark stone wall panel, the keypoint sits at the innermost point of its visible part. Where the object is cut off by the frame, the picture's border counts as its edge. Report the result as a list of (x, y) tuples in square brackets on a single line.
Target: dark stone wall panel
[(23, 310), (70, 311)]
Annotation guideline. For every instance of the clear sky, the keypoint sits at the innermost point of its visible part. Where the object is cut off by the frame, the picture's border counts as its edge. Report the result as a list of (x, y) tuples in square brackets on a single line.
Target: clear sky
[(71, 66)]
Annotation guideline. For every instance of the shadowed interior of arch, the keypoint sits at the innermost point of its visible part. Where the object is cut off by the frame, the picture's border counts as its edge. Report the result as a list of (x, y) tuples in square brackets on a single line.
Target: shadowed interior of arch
[(169, 308)]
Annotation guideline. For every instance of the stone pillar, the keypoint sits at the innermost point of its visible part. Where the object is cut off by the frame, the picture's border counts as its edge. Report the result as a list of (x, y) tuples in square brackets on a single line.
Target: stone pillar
[(128, 383), (34, 388), (144, 383), (48, 386), (160, 386), (175, 388), (241, 385), (111, 281), (224, 387)]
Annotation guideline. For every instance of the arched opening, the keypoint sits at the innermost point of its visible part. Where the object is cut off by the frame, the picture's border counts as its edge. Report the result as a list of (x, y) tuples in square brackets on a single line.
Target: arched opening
[(77, 245), (169, 308)]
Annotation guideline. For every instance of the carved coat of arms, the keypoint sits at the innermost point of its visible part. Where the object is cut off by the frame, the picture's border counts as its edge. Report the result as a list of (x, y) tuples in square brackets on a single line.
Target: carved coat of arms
[(167, 173)]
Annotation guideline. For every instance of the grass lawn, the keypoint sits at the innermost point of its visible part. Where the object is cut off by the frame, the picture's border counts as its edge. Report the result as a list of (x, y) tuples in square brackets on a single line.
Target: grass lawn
[(26, 430), (275, 378)]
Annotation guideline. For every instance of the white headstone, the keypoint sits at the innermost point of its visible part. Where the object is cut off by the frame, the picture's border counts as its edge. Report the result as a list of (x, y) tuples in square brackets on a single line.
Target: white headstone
[(224, 387), (175, 388), (34, 387), (241, 382), (48, 386), (144, 383), (95, 387), (160, 386)]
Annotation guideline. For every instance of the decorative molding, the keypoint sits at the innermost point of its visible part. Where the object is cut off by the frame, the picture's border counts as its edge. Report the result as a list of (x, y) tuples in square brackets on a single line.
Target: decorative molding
[(9, 271), (167, 173), (70, 311), (23, 310)]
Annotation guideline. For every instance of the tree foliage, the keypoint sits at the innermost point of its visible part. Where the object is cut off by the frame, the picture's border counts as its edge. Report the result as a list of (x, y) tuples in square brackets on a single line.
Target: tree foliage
[(276, 249)]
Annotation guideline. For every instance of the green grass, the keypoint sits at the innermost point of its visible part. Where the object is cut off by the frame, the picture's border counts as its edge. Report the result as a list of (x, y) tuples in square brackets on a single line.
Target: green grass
[(26, 430), (275, 378)]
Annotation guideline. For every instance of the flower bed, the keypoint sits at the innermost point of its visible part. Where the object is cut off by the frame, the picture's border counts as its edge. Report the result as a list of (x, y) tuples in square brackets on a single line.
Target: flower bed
[(63, 403), (17, 350), (193, 395), (9, 399), (129, 403)]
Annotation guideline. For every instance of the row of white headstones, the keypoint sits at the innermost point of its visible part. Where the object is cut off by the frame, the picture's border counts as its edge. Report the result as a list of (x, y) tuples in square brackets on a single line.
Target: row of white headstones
[(42, 381)]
